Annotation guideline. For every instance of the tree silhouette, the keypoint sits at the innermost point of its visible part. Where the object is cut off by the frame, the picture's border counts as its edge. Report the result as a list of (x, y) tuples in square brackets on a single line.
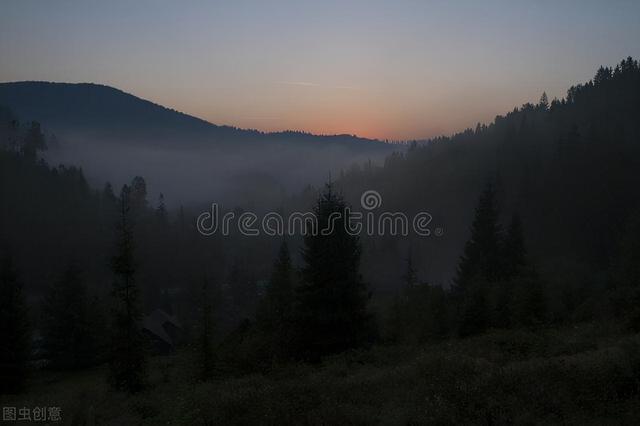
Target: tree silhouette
[(544, 102), (331, 312), (34, 141), (71, 331), (161, 211), (128, 353), (481, 257), (14, 330), (480, 265), (205, 326), (277, 307), (138, 195)]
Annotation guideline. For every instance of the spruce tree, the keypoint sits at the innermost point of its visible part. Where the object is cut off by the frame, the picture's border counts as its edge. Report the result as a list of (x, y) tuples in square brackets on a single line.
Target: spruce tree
[(528, 305), (331, 310), (128, 357), (67, 336), (544, 102), (14, 330), (34, 141), (205, 326), (277, 306), (481, 257), (279, 294), (514, 267), (161, 211), (480, 266)]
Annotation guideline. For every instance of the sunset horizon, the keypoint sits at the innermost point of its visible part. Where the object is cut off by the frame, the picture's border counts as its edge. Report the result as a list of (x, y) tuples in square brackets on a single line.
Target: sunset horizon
[(417, 71)]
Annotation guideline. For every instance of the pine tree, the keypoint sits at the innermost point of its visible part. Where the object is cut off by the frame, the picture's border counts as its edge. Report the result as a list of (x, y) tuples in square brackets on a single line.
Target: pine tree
[(279, 294), (481, 257), (331, 310), (277, 306), (544, 102), (161, 211), (205, 343), (128, 357), (515, 266), (137, 195), (480, 266), (14, 330), (67, 336), (521, 297), (33, 141)]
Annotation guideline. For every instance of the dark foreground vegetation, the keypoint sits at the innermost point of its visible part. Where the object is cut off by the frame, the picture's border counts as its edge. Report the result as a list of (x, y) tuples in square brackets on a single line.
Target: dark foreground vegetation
[(583, 374), (120, 312)]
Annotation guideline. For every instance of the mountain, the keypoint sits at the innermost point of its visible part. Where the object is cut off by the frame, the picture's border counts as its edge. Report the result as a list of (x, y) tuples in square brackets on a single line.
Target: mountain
[(114, 135), (102, 111)]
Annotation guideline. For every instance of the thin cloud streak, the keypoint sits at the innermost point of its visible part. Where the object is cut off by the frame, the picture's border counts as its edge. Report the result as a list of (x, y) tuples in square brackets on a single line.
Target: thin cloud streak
[(299, 83), (261, 118), (310, 84)]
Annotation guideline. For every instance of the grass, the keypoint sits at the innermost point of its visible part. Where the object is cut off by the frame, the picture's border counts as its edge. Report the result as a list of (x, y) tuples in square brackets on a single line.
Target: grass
[(589, 374)]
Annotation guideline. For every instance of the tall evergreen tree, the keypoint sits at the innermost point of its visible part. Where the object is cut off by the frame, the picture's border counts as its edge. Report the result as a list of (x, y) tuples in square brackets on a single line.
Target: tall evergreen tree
[(69, 334), (161, 211), (514, 264), (14, 330), (279, 294), (544, 102), (331, 312), (276, 309), (521, 297), (205, 326), (33, 141), (481, 258), (128, 356), (480, 266), (138, 195)]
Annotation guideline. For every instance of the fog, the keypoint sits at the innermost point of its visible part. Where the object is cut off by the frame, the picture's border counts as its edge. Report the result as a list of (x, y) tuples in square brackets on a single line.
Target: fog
[(243, 175)]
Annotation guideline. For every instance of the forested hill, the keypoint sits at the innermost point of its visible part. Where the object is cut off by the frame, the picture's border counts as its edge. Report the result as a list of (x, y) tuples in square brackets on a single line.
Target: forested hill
[(99, 111), (569, 167), (114, 136), (51, 219)]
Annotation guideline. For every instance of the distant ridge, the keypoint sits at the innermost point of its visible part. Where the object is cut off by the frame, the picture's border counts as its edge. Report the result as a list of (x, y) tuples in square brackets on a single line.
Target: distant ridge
[(96, 110)]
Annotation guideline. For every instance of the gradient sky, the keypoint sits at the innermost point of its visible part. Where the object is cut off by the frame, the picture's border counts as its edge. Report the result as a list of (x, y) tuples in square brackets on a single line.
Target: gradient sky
[(393, 69)]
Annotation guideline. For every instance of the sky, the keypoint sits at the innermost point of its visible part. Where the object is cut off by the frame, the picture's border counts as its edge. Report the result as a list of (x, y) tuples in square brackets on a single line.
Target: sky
[(384, 69)]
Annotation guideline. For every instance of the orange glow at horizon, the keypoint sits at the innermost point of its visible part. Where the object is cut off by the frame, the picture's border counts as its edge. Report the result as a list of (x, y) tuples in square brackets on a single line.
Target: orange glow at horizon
[(385, 70)]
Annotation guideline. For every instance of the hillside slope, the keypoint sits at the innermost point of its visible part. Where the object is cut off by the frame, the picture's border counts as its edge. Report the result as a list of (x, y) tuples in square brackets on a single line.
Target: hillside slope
[(115, 136)]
